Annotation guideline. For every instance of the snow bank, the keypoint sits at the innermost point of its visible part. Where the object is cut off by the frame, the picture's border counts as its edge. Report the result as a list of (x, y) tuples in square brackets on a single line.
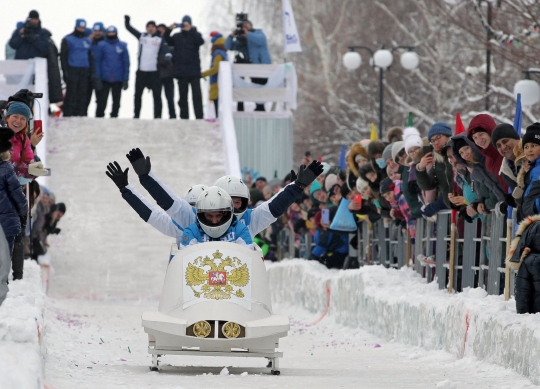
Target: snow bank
[(21, 322), (398, 304)]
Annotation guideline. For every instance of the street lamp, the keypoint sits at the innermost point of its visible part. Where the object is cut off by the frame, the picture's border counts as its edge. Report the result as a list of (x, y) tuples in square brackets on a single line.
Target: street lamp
[(529, 89), (381, 59)]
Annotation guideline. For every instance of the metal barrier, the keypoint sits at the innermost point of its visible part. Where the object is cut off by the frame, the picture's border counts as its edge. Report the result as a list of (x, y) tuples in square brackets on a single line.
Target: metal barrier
[(479, 253)]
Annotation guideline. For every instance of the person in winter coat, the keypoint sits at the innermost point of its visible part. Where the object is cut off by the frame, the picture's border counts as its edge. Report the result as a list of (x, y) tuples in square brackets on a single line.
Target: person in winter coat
[(165, 65), (524, 256), (77, 67), (480, 131), (252, 46), (147, 76), (440, 175), (31, 40), (111, 60), (13, 203), (187, 65), (331, 248), (409, 191), (505, 139), (97, 35), (10, 51), (219, 53), (529, 175), (356, 158), (485, 185)]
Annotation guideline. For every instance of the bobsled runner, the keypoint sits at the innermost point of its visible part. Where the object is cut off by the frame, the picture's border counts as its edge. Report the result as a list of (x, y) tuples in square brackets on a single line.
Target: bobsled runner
[(215, 302)]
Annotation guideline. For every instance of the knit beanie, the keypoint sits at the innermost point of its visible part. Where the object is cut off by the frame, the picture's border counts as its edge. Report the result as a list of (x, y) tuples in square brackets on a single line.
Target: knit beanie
[(412, 138), (361, 185), (439, 128), (80, 23), (5, 135), (387, 153), (186, 18), (33, 14), (215, 36), (532, 135), (386, 186), (396, 148), (19, 108), (330, 181), (503, 131), (112, 29), (98, 26)]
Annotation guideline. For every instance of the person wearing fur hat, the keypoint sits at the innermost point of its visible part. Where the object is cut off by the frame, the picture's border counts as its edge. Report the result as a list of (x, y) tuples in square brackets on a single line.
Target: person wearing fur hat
[(356, 158), (394, 134), (529, 176), (480, 130), (440, 175), (375, 151), (524, 256), (13, 203), (147, 76), (219, 53)]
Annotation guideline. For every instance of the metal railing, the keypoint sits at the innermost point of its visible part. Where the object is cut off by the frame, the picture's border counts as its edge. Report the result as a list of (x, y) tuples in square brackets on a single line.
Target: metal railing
[(479, 250)]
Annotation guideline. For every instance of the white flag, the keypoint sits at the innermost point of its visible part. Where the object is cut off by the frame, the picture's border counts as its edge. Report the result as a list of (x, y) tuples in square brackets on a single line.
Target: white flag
[(292, 40)]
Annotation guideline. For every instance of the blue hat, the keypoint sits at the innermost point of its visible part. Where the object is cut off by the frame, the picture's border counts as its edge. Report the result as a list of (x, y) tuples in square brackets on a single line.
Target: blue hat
[(186, 18), (112, 29), (19, 108), (98, 26), (20, 25), (80, 23), (439, 128)]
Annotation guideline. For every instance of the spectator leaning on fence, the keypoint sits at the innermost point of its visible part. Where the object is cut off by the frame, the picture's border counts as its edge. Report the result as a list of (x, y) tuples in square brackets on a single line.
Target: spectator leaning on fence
[(529, 175)]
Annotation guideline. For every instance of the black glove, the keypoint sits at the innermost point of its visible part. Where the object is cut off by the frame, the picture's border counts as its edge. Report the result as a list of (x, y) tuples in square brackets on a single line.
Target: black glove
[(306, 175), (24, 222), (293, 176), (116, 174), (98, 85), (55, 231), (503, 208), (463, 214), (125, 85), (141, 165), (127, 18), (510, 200)]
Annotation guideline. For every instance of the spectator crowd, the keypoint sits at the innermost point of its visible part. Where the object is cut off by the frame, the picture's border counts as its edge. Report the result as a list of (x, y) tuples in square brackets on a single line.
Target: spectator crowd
[(481, 171), (95, 61)]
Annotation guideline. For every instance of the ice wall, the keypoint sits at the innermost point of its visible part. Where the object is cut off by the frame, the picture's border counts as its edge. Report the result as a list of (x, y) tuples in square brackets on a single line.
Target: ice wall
[(398, 304)]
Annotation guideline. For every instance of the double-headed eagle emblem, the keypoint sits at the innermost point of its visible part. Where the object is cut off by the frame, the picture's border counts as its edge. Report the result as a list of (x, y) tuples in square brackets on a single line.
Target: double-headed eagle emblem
[(217, 283)]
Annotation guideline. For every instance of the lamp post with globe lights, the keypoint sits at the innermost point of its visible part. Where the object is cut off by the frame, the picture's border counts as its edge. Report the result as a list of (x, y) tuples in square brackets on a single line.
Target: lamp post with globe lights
[(528, 88), (380, 59)]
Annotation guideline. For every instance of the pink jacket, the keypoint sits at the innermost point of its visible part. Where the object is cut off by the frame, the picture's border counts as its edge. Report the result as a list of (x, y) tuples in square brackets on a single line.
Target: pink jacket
[(21, 144)]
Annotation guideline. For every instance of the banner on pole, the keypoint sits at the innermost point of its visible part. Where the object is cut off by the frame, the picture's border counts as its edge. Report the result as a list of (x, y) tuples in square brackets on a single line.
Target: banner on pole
[(290, 32)]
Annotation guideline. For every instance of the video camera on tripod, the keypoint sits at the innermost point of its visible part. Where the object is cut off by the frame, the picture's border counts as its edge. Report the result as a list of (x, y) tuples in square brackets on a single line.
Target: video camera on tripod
[(240, 19)]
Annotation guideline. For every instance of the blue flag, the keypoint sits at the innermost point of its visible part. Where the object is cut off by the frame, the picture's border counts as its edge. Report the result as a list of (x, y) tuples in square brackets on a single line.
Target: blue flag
[(342, 163), (518, 117)]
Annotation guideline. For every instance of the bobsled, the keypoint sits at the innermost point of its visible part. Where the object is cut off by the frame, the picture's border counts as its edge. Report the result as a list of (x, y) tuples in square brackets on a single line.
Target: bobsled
[(215, 302)]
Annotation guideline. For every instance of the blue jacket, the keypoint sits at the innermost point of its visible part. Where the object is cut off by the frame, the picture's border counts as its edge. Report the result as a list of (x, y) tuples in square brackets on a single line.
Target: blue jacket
[(531, 198), (75, 52), (31, 47), (186, 60), (237, 233), (256, 49), (13, 203), (111, 60)]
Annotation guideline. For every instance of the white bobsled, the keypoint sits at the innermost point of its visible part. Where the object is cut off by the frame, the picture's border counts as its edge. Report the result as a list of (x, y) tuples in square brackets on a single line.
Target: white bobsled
[(215, 302)]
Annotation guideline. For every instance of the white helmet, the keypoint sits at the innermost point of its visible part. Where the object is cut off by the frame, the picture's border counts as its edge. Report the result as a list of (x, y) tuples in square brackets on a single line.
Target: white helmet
[(215, 199), (193, 193), (235, 187)]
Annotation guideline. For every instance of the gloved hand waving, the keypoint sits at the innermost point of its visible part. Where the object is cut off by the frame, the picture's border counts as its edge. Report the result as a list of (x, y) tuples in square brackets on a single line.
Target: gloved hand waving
[(141, 165), (115, 173), (306, 175)]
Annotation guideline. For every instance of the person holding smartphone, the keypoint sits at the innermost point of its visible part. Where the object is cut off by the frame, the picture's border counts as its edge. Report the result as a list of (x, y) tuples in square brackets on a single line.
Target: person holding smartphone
[(187, 64)]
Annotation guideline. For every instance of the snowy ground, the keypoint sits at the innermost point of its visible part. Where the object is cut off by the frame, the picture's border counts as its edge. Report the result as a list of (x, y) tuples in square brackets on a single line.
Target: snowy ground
[(101, 344)]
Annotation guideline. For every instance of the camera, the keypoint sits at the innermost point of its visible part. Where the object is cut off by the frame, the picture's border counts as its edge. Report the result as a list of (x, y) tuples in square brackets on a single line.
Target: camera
[(25, 96), (240, 19), (28, 30)]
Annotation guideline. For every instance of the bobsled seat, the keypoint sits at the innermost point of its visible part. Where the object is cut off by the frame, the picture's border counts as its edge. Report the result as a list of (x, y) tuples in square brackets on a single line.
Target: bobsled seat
[(215, 301)]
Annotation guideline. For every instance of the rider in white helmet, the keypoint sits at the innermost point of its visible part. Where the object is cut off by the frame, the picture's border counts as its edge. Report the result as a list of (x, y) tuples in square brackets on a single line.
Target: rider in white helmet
[(256, 219), (215, 221), (193, 193)]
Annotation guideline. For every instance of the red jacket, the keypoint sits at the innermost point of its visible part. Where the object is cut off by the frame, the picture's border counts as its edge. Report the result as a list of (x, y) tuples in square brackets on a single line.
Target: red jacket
[(493, 157)]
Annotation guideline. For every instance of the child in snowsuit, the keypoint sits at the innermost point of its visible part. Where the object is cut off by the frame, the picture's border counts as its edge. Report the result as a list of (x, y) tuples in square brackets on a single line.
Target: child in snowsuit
[(219, 53)]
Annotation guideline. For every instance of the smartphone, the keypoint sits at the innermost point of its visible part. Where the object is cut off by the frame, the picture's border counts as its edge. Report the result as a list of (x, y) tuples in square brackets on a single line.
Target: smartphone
[(358, 198), (325, 216), (38, 126), (179, 25), (427, 149), (48, 172)]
